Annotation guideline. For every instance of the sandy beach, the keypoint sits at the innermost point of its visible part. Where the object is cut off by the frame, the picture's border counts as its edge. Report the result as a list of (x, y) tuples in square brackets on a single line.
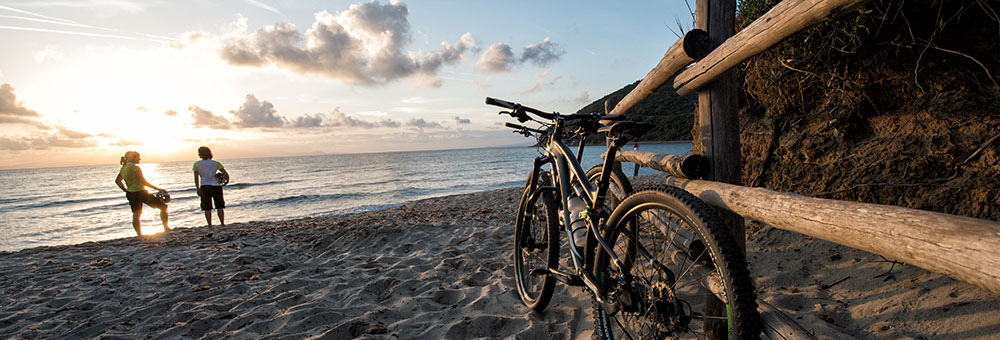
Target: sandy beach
[(433, 269)]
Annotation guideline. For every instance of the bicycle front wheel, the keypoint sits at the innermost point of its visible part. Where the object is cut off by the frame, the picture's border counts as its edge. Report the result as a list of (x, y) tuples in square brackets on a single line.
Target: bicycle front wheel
[(536, 247), (677, 260)]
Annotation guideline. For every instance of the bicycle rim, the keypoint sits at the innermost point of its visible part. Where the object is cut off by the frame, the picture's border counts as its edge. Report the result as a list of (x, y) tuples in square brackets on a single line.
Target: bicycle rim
[(681, 261), (535, 242)]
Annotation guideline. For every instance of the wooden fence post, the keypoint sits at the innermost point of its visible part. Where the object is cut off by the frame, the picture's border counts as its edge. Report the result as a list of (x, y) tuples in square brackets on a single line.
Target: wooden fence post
[(718, 126)]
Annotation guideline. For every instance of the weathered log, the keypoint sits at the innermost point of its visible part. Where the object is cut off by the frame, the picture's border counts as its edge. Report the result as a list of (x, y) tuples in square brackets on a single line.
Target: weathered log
[(779, 326), (687, 166), (784, 19), (692, 46), (963, 248)]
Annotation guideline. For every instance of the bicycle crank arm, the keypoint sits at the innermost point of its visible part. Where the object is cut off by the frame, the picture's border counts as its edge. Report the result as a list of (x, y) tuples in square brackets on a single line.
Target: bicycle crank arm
[(566, 278)]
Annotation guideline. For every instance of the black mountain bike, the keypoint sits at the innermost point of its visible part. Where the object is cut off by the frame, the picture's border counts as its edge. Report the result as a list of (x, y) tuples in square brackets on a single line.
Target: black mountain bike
[(658, 262)]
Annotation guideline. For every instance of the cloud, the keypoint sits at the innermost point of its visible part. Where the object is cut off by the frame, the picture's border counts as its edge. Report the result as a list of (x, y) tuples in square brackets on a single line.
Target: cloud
[(307, 120), (205, 118), (583, 97), (170, 113), (542, 80), (254, 113), (363, 45), (74, 134), (63, 139), (9, 106), (461, 120), (420, 123), (141, 109), (341, 119), (500, 58), (542, 54), (497, 59), (48, 53)]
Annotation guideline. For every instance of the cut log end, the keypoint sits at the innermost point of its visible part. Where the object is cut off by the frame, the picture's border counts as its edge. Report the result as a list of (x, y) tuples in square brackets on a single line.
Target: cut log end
[(697, 44)]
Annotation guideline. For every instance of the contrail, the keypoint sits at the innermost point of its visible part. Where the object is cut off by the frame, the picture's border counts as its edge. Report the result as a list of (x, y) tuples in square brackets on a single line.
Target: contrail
[(35, 14), (58, 21), (262, 5), (47, 21), (31, 29)]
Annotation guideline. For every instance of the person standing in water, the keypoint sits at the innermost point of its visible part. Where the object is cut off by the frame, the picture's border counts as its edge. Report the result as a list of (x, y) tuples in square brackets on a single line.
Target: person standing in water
[(209, 188), (135, 190)]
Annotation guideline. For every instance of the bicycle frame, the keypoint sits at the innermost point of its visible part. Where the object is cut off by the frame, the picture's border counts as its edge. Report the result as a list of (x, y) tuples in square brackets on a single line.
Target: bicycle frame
[(571, 179)]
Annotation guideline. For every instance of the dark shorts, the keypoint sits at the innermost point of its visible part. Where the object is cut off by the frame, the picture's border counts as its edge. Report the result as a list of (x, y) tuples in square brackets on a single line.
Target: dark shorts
[(211, 193), (136, 199)]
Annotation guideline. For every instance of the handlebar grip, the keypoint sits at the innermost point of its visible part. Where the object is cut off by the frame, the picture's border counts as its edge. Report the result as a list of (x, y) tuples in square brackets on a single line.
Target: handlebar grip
[(512, 125), (499, 102)]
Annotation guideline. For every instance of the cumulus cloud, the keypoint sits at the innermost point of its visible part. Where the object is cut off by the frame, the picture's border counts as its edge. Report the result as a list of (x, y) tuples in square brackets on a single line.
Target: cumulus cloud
[(13, 111), (583, 97), (500, 57), (342, 119), (461, 120), (9, 106), (205, 118), (307, 120), (170, 113), (542, 54), (420, 123), (255, 113), (363, 45)]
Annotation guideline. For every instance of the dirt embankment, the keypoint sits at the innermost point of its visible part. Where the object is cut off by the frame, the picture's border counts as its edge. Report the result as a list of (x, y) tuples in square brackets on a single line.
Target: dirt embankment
[(897, 104)]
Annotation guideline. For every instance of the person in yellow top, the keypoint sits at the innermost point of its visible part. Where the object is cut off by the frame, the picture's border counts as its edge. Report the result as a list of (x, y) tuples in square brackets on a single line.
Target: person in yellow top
[(135, 190)]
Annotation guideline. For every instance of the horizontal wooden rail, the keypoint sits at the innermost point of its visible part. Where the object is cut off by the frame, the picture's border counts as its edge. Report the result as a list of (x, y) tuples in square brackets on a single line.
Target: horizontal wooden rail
[(686, 166), (784, 19), (961, 247), (692, 46)]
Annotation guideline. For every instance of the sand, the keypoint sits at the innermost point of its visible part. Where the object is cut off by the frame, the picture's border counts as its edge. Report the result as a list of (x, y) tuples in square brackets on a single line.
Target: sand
[(434, 269)]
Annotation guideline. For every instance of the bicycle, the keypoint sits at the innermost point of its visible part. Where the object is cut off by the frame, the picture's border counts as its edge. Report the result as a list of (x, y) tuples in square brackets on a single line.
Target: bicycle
[(658, 262)]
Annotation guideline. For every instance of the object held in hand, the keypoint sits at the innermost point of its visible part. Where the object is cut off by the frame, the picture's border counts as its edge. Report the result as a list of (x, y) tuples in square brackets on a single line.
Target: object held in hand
[(222, 178), (163, 196)]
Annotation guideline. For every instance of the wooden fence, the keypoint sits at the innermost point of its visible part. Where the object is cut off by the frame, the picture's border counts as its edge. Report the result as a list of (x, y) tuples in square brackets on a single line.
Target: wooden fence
[(961, 247)]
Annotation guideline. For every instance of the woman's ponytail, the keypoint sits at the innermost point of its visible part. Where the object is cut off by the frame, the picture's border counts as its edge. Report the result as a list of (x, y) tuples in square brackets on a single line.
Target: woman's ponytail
[(123, 160)]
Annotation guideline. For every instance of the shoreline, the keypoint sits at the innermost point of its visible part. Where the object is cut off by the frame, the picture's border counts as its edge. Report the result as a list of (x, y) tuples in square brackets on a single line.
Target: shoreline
[(433, 268)]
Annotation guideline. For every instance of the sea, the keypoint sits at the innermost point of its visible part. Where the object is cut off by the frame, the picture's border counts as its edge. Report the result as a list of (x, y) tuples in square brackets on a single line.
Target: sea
[(70, 205)]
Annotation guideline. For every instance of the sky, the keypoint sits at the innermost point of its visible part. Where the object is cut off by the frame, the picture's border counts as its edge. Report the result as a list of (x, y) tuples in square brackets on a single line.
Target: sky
[(83, 81)]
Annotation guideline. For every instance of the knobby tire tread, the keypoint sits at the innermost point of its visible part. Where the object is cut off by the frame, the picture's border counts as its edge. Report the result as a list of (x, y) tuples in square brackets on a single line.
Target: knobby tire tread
[(552, 235), (736, 275)]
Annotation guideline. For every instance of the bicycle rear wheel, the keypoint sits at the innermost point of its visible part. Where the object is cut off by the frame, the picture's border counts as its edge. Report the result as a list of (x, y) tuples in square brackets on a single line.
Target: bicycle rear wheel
[(536, 246), (676, 258), (618, 187)]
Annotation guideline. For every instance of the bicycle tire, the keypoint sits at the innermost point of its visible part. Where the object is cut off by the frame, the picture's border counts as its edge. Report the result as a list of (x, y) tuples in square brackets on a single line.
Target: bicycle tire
[(619, 187), (648, 299), (536, 237)]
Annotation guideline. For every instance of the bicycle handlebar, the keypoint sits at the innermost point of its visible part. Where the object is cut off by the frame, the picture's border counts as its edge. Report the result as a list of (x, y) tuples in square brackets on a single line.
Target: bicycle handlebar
[(519, 110)]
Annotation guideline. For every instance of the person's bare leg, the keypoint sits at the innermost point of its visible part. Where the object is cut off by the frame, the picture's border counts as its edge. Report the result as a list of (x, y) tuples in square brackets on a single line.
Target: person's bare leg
[(135, 223), (208, 217), (163, 218), (222, 217)]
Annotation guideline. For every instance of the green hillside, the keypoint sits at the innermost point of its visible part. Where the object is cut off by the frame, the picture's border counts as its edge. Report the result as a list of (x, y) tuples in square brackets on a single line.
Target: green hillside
[(672, 114)]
